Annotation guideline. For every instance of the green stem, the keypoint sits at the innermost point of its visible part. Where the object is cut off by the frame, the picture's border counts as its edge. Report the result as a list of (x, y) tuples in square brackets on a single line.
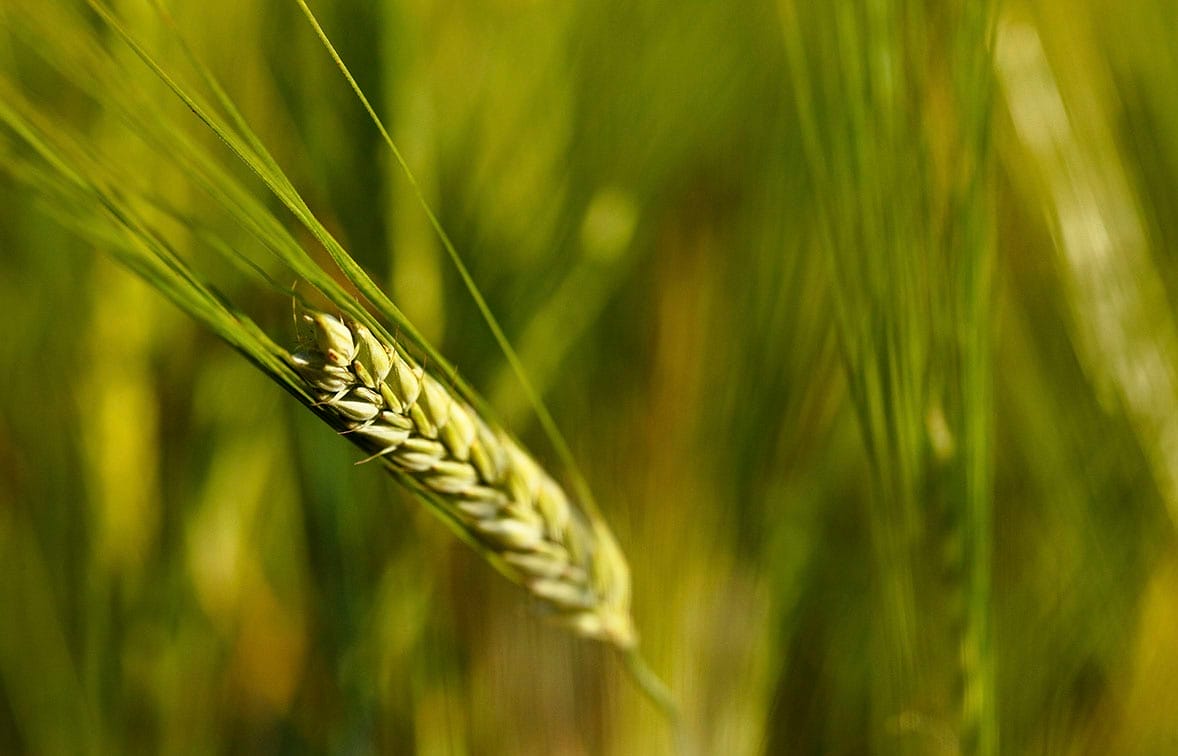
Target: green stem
[(657, 692)]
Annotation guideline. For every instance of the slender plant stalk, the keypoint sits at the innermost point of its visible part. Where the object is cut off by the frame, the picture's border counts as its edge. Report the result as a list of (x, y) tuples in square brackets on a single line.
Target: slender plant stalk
[(909, 261)]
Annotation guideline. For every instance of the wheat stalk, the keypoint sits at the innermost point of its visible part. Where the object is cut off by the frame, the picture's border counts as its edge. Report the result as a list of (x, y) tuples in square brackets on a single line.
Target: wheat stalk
[(389, 406)]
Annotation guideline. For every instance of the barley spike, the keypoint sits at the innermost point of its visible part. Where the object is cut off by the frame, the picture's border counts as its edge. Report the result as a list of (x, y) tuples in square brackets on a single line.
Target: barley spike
[(388, 405)]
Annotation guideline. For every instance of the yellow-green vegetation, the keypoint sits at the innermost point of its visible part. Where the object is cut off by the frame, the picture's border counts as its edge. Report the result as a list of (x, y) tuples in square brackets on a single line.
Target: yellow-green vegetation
[(855, 320)]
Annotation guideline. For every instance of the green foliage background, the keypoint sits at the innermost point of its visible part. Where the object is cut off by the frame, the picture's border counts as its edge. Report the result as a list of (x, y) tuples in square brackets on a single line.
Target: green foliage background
[(857, 316)]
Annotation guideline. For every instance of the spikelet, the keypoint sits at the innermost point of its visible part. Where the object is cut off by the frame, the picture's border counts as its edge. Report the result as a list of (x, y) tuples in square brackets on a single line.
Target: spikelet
[(392, 409)]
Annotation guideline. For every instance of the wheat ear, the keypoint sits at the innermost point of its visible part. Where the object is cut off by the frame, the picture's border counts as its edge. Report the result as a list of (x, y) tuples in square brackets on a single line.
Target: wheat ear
[(484, 481)]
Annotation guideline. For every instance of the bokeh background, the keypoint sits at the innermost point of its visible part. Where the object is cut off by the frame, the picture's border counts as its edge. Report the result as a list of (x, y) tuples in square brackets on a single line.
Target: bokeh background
[(858, 317)]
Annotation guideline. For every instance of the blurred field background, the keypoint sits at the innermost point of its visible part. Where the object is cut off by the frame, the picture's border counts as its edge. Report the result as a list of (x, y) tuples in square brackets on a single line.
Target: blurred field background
[(858, 317)]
